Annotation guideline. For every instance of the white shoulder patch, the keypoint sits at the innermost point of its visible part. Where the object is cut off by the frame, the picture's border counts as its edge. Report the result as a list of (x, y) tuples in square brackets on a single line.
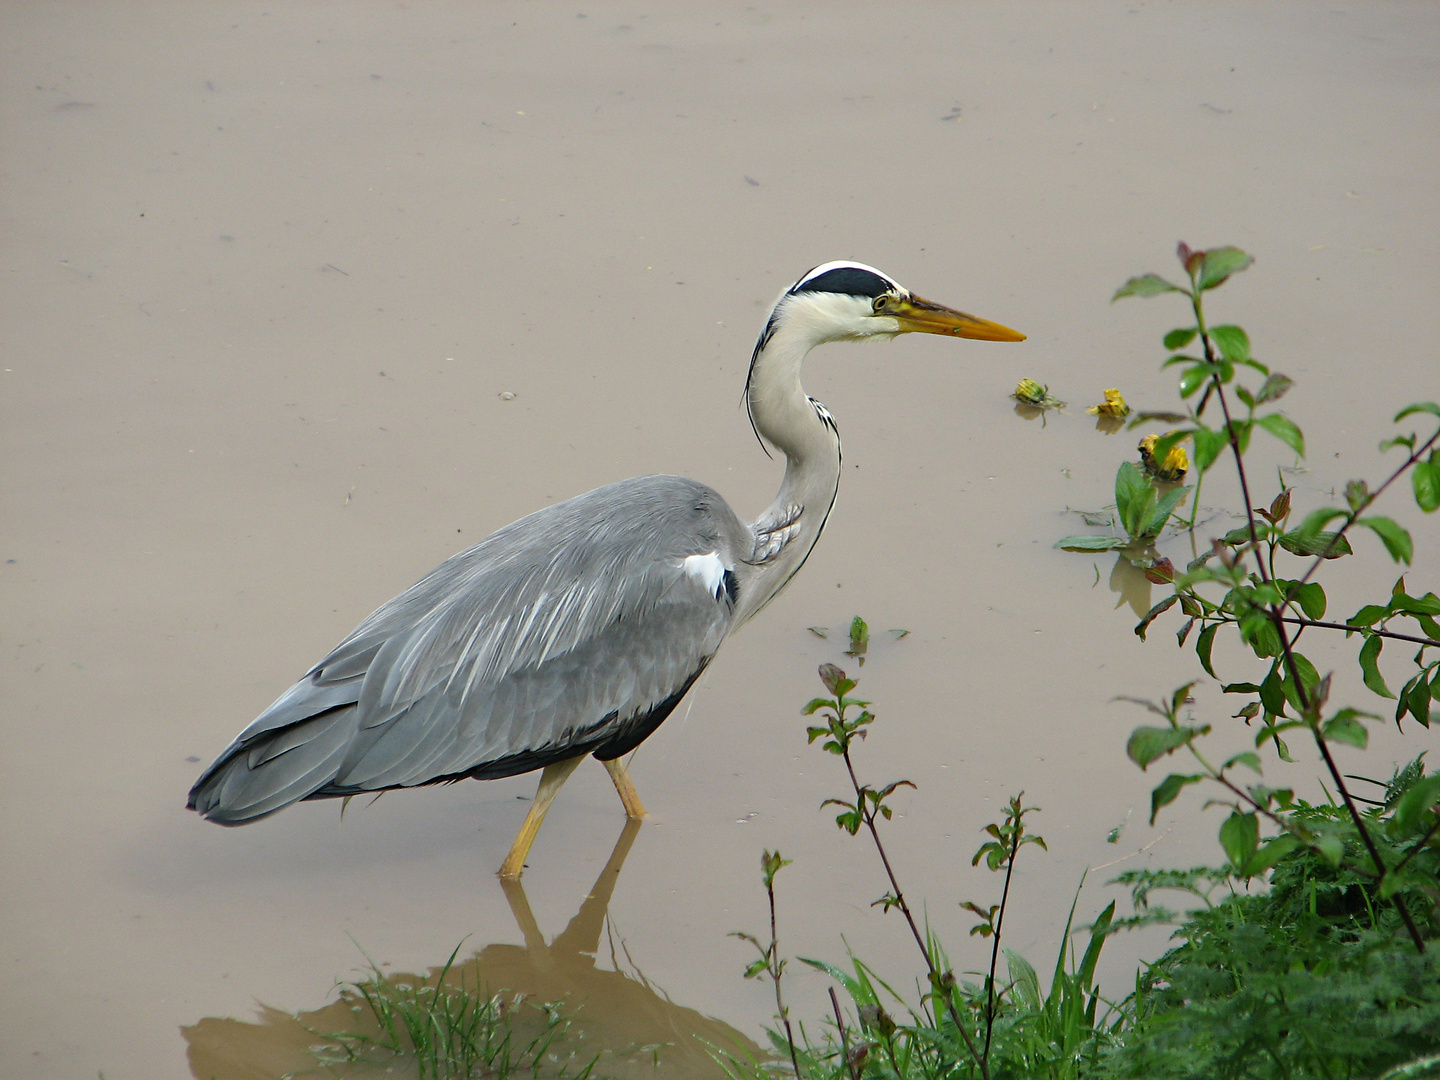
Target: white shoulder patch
[(708, 569)]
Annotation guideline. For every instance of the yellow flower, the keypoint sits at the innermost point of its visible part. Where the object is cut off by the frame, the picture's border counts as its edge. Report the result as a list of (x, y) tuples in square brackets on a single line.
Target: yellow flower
[(1172, 470), (1030, 392), (1113, 406)]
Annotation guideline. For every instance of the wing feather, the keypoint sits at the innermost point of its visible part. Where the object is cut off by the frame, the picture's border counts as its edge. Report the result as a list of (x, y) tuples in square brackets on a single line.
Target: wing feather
[(548, 636)]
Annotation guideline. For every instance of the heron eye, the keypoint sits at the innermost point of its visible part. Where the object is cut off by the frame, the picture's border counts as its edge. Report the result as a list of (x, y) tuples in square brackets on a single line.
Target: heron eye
[(881, 303)]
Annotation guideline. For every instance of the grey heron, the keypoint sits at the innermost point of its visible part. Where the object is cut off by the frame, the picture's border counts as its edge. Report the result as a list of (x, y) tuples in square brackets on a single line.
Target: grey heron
[(576, 630)]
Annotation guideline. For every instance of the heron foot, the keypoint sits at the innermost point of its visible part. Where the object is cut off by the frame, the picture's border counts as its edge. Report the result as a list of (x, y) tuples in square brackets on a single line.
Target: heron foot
[(629, 797), (550, 782)]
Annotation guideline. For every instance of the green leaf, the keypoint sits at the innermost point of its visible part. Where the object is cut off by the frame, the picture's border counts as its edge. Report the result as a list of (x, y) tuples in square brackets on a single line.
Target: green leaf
[(1417, 699), (1208, 445), (1148, 743), (1272, 694), (1418, 407), (1274, 850), (1192, 378), (1429, 604), (1249, 760), (1219, 264), (1168, 789), (1284, 429), (1178, 339), (1163, 508), (1311, 598), (1203, 646), (1234, 343), (1368, 615), (1153, 614), (1309, 678), (1345, 728), (1241, 533), (1273, 388), (1426, 482), (1396, 539), (1134, 497), (1370, 666), (1090, 543), (1328, 545), (859, 632), (1240, 836), (1316, 520), (1421, 796), (814, 706), (1332, 849), (1258, 631), (1145, 285)]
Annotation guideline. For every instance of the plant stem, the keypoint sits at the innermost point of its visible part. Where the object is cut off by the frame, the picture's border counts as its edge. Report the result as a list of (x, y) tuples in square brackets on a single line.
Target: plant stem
[(937, 981), (1277, 617), (776, 969), (1418, 845), (1361, 629), (1354, 515), (995, 948), (844, 1039)]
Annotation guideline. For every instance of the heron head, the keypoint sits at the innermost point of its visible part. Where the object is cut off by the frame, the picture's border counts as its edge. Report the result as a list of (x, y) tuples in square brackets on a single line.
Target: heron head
[(849, 301)]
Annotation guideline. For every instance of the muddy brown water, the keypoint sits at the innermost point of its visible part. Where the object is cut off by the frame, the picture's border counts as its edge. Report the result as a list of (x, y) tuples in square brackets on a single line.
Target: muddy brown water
[(271, 276)]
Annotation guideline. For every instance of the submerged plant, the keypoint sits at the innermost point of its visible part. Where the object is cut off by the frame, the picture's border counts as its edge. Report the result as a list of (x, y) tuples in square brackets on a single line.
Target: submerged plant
[(448, 1029)]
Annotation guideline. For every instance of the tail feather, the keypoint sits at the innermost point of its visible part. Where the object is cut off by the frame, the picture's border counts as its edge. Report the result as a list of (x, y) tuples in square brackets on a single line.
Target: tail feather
[(256, 778)]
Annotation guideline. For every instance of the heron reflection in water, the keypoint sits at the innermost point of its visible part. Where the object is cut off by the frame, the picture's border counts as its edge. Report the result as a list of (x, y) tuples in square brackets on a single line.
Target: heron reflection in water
[(638, 1031), (577, 630)]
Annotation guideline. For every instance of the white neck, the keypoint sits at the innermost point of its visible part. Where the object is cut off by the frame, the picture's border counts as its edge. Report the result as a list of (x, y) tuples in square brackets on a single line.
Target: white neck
[(790, 422)]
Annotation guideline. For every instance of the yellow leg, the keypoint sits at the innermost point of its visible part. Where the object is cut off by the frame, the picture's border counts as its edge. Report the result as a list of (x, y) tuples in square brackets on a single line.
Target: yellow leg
[(634, 808), (550, 781)]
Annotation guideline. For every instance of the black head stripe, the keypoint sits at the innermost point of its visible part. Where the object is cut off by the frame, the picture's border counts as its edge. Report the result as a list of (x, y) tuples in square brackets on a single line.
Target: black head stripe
[(848, 281)]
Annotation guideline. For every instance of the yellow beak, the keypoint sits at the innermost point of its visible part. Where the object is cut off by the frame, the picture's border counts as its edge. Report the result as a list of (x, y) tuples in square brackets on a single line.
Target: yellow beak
[(923, 316)]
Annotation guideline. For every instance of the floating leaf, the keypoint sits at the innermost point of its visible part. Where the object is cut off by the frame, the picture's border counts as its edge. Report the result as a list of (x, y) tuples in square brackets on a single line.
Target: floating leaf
[(1090, 543)]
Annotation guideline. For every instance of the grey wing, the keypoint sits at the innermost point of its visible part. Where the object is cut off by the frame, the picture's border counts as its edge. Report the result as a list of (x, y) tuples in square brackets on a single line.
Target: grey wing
[(574, 630)]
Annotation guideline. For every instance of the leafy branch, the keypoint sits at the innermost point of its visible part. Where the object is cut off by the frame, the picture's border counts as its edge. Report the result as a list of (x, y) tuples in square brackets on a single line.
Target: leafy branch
[(839, 732), (1271, 612)]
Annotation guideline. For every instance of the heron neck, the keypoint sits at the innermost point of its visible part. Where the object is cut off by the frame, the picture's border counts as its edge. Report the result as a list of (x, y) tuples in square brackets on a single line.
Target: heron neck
[(789, 421)]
